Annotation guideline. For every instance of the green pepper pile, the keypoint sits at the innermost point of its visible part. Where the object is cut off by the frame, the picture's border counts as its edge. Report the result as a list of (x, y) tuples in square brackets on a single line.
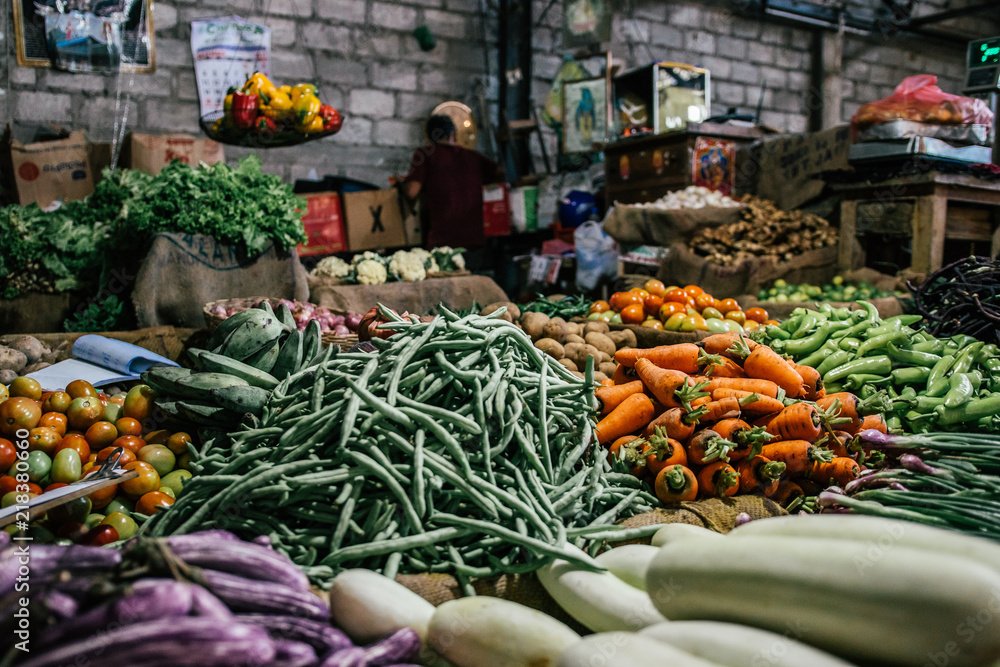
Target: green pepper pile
[(836, 290), (933, 383)]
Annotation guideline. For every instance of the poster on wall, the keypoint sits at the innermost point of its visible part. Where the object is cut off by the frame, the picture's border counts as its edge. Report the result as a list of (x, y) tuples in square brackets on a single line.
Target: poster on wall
[(585, 117), (586, 23), (713, 164), (132, 41), (226, 51)]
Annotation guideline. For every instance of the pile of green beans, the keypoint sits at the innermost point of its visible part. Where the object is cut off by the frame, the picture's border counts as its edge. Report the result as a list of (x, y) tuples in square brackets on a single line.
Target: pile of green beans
[(456, 447), (933, 383)]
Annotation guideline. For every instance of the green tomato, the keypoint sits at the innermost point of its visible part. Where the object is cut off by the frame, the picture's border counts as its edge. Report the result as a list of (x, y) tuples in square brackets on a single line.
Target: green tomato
[(797, 297), (124, 524), (158, 456), (112, 412), (773, 291), (716, 325), (711, 313), (175, 481), (73, 510), (93, 520), (10, 498), (594, 316), (607, 315), (616, 318), (673, 322), (40, 534), (39, 465), (733, 326), (838, 280), (781, 298), (119, 504), (66, 466), (779, 283), (167, 490)]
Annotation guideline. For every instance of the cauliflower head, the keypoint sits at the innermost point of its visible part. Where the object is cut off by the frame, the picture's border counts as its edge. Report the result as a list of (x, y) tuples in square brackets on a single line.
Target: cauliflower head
[(425, 256), (448, 258), (332, 266), (407, 266), (368, 255), (371, 272)]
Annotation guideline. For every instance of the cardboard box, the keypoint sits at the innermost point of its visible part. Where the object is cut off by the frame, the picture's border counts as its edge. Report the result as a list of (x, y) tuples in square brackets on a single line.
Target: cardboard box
[(324, 223), (152, 152), (374, 220), (413, 215), (496, 209), (48, 164)]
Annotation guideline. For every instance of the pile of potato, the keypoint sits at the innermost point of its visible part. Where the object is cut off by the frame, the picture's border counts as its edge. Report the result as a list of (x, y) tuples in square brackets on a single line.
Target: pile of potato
[(571, 343), (20, 355)]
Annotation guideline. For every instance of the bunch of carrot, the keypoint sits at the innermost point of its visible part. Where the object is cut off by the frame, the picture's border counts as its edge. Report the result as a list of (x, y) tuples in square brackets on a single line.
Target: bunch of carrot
[(729, 416)]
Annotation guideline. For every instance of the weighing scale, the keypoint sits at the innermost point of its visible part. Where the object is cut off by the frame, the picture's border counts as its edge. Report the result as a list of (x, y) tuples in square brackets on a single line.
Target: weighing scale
[(982, 80)]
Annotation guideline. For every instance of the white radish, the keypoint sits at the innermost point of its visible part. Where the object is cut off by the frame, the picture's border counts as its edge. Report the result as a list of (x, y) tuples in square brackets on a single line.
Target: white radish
[(629, 563), (626, 649), (672, 532), (369, 607)]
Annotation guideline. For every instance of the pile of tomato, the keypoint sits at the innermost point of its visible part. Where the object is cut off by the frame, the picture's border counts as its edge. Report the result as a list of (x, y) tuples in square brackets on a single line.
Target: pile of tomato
[(70, 434), (673, 308)]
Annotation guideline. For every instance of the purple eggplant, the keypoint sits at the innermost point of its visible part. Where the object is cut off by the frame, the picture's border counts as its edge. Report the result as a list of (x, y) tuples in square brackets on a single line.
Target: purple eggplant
[(47, 560), (240, 558), (61, 606), (322, 636), (293, 654), (5, 539), (203, 537), (250, 595), (207, 605), (400, 646)]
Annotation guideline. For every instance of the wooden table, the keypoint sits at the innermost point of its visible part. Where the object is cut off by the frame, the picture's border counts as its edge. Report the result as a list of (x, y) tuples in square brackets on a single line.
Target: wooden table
[(933, 206)]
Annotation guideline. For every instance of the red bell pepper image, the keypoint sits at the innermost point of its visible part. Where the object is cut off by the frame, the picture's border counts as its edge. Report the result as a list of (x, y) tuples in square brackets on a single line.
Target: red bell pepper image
[(244, 110)]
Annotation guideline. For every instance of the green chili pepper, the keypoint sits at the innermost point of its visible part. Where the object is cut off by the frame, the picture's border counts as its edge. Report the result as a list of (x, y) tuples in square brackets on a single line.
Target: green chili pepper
[(833, 361), (910, 375), (927, 403), (933, 346), (908, 393), (842, 314), (850, 344), (870, 312), (817, 357), (881, 341), (940, 370), (776, 333), (975, 409), (963, 362), (962, 340), (792, 323), (911, 356), (809, 320), (878, 365), (859, 380), (960, 390), (813, 341), (893, 422)]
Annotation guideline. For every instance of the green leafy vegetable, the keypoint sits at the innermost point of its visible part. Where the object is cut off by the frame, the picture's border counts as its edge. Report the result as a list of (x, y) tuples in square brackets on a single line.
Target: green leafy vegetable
[(99, 316)]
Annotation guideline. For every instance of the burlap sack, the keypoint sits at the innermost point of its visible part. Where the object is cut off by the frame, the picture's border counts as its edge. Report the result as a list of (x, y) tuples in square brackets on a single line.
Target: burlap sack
[(716, 514), (36, 313), (649, 226), (420, 298), (183, 272), (647, 337)]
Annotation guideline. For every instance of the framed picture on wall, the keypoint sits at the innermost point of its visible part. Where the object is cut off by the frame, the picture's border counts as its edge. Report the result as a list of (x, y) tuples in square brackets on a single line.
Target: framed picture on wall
[(586, 23), (136, 40), (585, 114)]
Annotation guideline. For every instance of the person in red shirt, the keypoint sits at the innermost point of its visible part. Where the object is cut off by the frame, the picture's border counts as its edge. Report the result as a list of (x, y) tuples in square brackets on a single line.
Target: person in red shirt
[(451, 179)]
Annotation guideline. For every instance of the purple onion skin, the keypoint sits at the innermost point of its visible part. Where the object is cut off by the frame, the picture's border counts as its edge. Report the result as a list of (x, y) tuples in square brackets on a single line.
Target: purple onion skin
[(742, 518), (262, 540), (404, 644), (877, 437), (916, 464), (293, 654)]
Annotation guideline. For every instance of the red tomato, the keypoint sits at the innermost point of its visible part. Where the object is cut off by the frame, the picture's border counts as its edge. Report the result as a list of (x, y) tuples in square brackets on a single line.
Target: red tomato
[(671, 308), (758, 315), (84, 412), (640, 291), (101, 434), (160, 437), (152, 502), (654, 286), (148, 479), (102, 497), (127, 456), (737, 316), (54, 485), (77, 442), (619, 300), (100, 535), (44, 440), (600, 306), (8, 455), (693, 290), (128, 426), (178, 443), (7, 484), (81, 389), (633, 314), (652, 304), (129, 442), (678, 295), (703, 301), (18, 413), (57, 401), (55, 420), (728, 305)]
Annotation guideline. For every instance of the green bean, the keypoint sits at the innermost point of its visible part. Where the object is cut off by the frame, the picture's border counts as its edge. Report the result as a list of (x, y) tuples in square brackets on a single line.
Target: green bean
[(361, 551)]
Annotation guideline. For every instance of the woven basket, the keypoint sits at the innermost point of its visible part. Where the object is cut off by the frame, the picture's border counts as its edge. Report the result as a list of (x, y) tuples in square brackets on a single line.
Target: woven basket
[(212, 320)]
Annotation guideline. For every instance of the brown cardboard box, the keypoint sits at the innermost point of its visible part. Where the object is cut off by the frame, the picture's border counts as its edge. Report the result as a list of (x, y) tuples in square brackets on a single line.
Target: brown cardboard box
[(48, 164), (152, 152), (374, 220), (413, 216)]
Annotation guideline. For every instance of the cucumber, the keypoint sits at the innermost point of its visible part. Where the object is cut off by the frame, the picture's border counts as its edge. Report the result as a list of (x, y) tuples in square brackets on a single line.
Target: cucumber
[(629, 563), (738, 645), (677, 531), (626, 649), (896, 609)]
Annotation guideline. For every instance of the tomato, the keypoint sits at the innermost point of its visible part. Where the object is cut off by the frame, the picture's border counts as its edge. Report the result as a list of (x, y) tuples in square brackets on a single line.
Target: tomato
[(26, 387), (85, 412), (716, 325), (673, 323), (771, 323), (158, 456), (75, 510), (8, 483), (101, 497), (703, 301), (184, 462), (66, 467), (616, 318), (71, 530), (39, 465), (122, 523), (11, 498), (18, 413), (653, 324), (75, 442), (99, 535), (57, 421), (600, 306), (733, 326), (153, 502), (640, 291), (138, 402), (128, 456), (670, 308), (757, 314), (750, 325), (129, 442), (693, 290), (101, 434), (8, 454), (92, 520), (606, 315), (633, 314), (128, 426), (120, 504), (711, 312), (81, 389), (159, 437), (178, 442), (619, 300), (728, 305), (53, 486), (117, 399), (43, 439), (737, 316), (148, 479), (678, 295), (694, 323), (57, 401), (654, 286), (4, 394), (652, 304), (175, 481)]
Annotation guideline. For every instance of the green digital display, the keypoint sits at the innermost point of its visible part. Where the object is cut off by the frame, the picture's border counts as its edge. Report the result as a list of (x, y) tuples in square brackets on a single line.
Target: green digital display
[(984, 52)]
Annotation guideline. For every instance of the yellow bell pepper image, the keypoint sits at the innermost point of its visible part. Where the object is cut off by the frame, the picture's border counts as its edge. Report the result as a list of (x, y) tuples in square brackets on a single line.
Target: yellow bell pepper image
[(303, 89), (316, 125), (306, 108), (280, 101), (227, 103), (261, 86), (285, 90)]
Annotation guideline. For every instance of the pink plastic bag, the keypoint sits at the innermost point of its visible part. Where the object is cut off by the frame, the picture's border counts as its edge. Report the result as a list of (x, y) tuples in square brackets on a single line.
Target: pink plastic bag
[(918, 98)]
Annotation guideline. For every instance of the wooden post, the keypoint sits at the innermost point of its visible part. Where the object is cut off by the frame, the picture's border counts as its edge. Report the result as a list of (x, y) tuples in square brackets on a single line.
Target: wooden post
[(848, 234), (929, 221)]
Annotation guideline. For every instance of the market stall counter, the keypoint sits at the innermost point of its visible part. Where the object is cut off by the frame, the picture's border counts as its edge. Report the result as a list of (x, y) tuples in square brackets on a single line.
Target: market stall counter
[(459, 292)]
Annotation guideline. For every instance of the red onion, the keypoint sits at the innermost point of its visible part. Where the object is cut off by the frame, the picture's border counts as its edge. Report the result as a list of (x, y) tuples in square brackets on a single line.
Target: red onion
[(341, 330), (352, 321)]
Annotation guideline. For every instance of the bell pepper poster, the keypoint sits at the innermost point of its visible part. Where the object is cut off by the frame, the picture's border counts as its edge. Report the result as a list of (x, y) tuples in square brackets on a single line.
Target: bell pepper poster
[(714, 164), (226, 51)]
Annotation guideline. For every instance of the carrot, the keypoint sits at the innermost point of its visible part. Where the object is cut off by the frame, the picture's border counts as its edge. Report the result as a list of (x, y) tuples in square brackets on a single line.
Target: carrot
[(670, 387), (630, 450), (706, 446), (760, 475), (876, 422), (714, 411), (765, 364), (624, 375), (724, 368), (664, 452), (607, 382), (798, 421), (672, 424), (721, 342), (797, 455), (840, 444), (718, 479), (756, 386), (748, 439), (837, 472), (675, 484), (763, 405), (611, 397), (763, 420), (847, 406), (812, 379), (786, 492), (631, 415), (684, 357)]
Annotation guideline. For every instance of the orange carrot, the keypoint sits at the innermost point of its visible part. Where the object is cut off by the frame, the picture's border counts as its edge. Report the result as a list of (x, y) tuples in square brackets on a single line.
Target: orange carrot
[(684, 357), (763, 405), (748, 439), (797, 455), (786, 492), (671, 424), (607, 382), (675, 484), (624, 375), (721, 342), (630, 450), (631, 415), (611, 397), (718, 479), (837, 472), (876, 422), (798, 421), (762, 420), (812, 379), (706, 446), (847, 406), (664, 452), (766, 364), (760, 475), (724, 368), (756, 386), (665, 383), (724, 408), (841, 444)]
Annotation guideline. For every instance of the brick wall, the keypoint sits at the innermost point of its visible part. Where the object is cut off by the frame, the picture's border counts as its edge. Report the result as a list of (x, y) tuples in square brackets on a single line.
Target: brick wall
[(365, 58)]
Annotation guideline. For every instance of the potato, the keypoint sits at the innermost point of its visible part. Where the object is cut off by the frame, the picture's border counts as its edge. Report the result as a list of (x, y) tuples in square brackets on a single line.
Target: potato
[(574, 329), (29, 345), (513, 312), (534, 324), (599, 377), (551, 347), (596, 327), (7, 376), (601, 342), (572, 351), (608, 368), (605, 358), (12, 360), (584, 351), (580, 375), (623, 338), (568, 363), (556, 329), (573, 338), (35, 367)]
